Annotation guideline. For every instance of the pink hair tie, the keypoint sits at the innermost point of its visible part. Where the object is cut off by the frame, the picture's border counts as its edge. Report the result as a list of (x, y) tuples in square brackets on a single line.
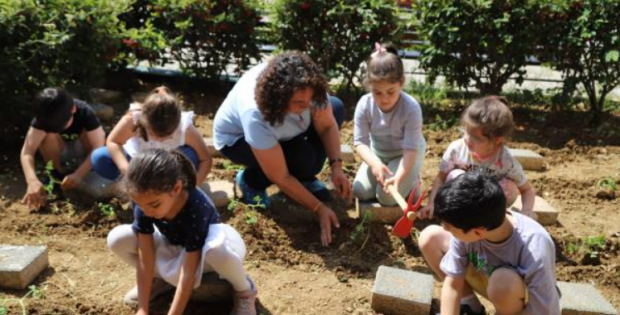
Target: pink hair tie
[(378, 49)]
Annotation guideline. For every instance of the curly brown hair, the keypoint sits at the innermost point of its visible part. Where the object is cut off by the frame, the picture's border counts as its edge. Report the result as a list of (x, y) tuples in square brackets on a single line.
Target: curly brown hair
[(285, 74), (491, 114)]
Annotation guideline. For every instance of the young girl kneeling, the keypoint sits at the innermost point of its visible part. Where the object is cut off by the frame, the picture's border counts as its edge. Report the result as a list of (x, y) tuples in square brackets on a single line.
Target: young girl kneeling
[(176, 235), (388, 131)]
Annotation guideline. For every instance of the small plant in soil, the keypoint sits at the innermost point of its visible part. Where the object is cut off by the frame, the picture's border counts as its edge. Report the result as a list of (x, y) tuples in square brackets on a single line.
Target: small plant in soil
[(230, 166), (606, 188), (52, 180), (361, 229), (250, 211), (34, 292), (106, 209)]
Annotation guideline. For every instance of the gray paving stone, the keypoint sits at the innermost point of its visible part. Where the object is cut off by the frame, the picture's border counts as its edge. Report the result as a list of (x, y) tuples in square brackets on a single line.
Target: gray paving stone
[(19, 265), (212, 289), (583, 299), (103, 111), (402, 292), (97, 187), (347, 153), (221, 191), (106, 96), (545, 213), (529, 159), (380, 213)]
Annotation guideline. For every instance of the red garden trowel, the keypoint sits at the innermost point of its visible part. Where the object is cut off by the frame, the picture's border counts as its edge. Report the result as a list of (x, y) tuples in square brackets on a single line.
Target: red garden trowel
[(403, 227)]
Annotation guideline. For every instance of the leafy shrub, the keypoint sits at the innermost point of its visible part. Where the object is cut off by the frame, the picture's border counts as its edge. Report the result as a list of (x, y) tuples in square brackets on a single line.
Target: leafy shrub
[(483, 41), (203, 36), (338, 34), (53, 43), (585, 46)]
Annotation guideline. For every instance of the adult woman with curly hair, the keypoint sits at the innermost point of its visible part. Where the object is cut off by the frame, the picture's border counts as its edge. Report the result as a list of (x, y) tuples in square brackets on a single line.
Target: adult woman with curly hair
[(280, 123)]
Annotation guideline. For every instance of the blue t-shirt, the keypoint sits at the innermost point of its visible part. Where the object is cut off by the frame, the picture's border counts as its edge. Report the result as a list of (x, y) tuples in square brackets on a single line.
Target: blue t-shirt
[(189, 228), (239, 117)]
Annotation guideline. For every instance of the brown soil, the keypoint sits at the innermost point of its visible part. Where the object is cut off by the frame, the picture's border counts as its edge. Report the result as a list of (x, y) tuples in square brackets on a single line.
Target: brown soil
[(295, 275)]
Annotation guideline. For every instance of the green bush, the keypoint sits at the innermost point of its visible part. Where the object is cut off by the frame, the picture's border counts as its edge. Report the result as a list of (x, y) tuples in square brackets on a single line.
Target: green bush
[(53, 43), (203, 36), (585, 46), (483, 41), (338, 34)]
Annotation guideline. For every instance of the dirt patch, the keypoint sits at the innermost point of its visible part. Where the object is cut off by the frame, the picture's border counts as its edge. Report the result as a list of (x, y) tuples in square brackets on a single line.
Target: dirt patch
[(296, 275)]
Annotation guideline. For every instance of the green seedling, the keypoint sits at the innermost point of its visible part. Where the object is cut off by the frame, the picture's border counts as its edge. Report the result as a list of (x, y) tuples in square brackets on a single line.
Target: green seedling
[(230, 166), (362, 227), (594, 244), (607, 183), (33, 291), (572, 248), (106, 209), (250, 211), (442, 124), (49, 187)]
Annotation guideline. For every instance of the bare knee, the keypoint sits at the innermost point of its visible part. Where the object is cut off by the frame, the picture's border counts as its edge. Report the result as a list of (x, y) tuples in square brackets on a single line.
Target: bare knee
[(51, 146), (431, 238), (507, 291)]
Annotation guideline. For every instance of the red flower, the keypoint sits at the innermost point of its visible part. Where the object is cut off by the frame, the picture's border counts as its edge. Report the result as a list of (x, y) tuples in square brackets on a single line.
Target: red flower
[(304, 6)]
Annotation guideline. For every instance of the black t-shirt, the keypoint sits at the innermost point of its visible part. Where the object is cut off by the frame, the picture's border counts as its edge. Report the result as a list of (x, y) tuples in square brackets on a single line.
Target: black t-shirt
[(189, 228), (84, 119)]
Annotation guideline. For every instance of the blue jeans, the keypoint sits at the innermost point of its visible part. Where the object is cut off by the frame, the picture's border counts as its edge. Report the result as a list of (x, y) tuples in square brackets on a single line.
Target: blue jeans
[(104, 165), (305, 154)]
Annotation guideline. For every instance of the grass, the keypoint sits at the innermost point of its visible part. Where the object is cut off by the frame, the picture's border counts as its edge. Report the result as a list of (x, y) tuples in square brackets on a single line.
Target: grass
[(33, 291)]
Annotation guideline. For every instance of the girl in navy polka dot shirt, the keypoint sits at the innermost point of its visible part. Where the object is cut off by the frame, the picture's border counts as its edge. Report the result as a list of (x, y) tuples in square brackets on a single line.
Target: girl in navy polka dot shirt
[(176, 235)]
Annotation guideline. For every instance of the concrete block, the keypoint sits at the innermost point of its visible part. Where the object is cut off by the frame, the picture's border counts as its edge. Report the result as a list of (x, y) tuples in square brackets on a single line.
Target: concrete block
[(106, 96), (529, 159), (19, 265), (103, 111), (139, 96), (347, 153), (380, 213), (97, 187), (211, 148), (583, 299), (212, 289), (546, 214), (221, 192), (402, 292)]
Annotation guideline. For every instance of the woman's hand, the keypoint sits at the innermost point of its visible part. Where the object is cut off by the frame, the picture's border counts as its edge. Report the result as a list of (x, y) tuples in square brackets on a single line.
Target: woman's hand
[(342, 184), (327, 218)]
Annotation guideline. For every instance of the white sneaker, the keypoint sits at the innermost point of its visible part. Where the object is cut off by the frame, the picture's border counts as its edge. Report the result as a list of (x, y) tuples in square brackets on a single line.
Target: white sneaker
[(159, 287), (244, 301)]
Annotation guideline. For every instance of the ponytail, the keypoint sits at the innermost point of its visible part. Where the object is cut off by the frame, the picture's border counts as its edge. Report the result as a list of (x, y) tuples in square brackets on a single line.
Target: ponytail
[(188, 171)]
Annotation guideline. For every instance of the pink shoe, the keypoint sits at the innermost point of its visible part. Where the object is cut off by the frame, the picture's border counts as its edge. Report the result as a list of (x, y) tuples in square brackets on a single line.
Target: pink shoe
[(245, 301)]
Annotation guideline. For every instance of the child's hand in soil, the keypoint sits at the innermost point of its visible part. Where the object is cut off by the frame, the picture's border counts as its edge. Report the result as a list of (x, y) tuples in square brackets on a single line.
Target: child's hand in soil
[(34, 197)]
